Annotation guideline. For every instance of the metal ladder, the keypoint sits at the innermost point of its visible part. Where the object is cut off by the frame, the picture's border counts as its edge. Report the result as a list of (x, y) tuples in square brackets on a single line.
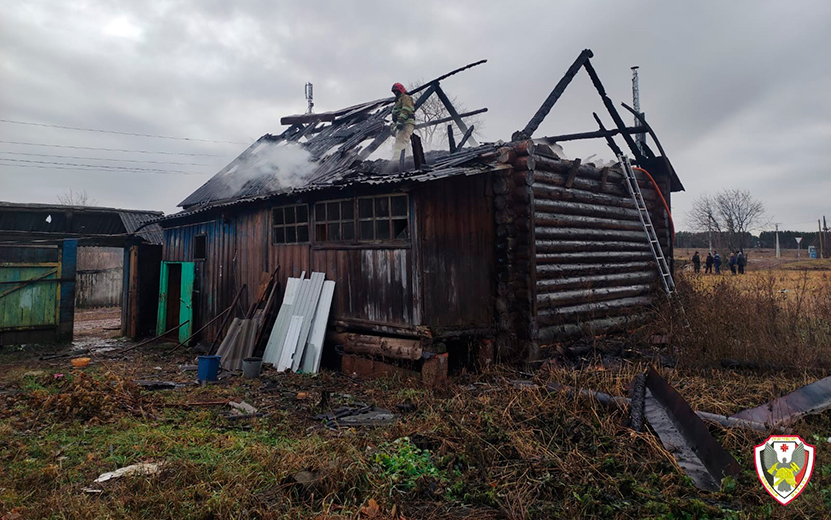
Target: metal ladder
[(646, 221)]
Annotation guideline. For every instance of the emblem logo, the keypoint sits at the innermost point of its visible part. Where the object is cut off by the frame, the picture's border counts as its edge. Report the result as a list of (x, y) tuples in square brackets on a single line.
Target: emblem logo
[(784, 464)]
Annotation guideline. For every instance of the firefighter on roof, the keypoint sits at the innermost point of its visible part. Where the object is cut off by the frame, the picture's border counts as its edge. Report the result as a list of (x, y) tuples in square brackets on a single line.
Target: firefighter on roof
[(403, 119)]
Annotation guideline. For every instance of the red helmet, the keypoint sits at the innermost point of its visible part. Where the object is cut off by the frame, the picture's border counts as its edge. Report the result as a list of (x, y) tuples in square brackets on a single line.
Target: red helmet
[(399, 87)]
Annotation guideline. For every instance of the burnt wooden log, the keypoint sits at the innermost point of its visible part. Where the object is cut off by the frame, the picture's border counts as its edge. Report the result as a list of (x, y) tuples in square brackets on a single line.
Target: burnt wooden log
[(524, 148), (598, 257), (555, 219), (549, 285), (398, 348), (601, 235), (614, 185), (590, 210), (578, 195), (591, 327), (550, 272), (558, 299), (560, 315), (451, 140), (572, 173), (576, 246)]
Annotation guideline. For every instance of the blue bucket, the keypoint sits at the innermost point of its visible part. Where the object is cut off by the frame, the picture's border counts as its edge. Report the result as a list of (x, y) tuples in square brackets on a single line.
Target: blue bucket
[(208, 368)]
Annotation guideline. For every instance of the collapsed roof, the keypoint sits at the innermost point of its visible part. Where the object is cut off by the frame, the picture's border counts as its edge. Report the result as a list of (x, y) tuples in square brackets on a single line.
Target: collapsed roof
[(336, 147)]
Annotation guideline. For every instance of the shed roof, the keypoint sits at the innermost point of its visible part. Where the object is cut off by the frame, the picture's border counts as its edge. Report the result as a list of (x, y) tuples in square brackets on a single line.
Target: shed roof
[(91, 221)]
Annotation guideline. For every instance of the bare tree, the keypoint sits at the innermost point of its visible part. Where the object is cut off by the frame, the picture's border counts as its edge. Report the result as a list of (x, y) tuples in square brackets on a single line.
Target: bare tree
[(76, 198), (435, 136), (730, 214)]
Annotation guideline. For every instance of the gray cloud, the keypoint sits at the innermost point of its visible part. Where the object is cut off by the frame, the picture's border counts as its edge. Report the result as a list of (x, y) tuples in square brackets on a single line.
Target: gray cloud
[(737, 91)]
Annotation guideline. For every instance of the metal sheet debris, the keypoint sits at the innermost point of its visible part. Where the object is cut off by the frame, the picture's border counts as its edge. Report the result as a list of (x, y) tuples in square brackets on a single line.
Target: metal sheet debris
[(358, 414), (810, 399), (685, 435)]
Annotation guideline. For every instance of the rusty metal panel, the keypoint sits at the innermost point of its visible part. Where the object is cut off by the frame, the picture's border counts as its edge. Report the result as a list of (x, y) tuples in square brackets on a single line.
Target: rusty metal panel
[(809, 399), (457, 246)]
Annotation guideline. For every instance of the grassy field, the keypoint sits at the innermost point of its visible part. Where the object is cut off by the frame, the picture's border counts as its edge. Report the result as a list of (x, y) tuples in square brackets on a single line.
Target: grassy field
[(480, 449)]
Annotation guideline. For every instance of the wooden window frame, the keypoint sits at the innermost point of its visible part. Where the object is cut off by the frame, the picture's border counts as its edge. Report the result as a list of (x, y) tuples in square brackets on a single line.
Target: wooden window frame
[(295, 226), (203, 237), (389, 218)]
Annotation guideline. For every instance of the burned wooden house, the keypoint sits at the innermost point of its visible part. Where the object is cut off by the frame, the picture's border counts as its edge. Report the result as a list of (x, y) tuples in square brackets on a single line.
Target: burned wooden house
[(498, 242)]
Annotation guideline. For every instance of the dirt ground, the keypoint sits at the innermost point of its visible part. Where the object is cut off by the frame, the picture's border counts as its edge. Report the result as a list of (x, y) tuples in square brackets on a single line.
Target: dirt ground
[(482, 448)]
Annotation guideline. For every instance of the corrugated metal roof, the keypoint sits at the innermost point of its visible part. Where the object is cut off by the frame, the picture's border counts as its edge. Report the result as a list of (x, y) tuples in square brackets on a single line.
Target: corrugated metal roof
[(133, 220)]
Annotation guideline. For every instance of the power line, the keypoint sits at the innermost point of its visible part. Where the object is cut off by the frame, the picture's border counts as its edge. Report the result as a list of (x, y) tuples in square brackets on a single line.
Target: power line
[(114, 149), (93, 168), (102, 158), (116, 132)]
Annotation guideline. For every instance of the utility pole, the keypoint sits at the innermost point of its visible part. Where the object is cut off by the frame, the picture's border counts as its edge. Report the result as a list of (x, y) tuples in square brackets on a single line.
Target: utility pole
[(636, 104), (310, 98), (778, 252), (825, 227), (821, 250)]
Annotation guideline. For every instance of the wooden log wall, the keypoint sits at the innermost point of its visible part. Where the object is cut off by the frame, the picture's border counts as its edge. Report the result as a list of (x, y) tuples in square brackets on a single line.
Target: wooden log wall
[(515, 249), (588, 261), (594, 269)]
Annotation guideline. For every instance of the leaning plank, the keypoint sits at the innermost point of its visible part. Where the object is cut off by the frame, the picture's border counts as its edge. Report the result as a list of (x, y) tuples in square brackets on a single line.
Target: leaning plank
[(229, 341), (290, 344), (278, 332), (685, 435), (379, 345), (307, 311), (314, 347), (810, 399)]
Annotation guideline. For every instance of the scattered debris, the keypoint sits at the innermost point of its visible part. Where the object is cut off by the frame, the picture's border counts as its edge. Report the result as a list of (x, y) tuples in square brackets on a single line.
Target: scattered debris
[(91, 490), (188, 368), (406, 407), (34, 373), (158, 385), (80, 362), (685, 435), (136, 469), (67, 355), (809, 399), (636, 408), (358, 414), (243, 407)]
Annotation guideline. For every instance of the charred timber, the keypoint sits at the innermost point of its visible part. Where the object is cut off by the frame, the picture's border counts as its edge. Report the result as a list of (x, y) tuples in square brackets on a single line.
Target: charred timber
[(578, 195), (593, 257), (597, 134), (599, 235), (556, 220), (590, 327), (558, 274), (557, 246), (545, 179), (558, 299), (580, 208), (448, 119), (622, 306)]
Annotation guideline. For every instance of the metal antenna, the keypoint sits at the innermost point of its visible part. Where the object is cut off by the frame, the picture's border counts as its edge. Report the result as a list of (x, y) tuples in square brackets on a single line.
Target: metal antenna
[(310, 98), (636, 104)]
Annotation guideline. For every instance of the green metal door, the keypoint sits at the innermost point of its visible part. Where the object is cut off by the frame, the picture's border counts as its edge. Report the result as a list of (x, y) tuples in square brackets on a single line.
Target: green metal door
[(185, 301), (28, 295)]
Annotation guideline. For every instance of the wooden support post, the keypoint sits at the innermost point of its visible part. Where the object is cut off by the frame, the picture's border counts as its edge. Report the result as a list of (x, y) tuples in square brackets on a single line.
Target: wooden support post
[(421, 99), (572, 173), (452, 111), (604, 176), (609, 141), (552, 98), (465, 138), (418, 152), (451, 141), (613, 112)]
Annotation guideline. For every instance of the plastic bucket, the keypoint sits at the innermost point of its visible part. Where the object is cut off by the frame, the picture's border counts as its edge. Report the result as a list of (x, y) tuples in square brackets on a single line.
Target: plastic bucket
[(208, 368), (251, 367)]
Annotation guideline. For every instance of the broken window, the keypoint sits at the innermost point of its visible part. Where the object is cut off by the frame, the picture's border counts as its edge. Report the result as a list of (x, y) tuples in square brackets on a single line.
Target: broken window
[(200, 247), (384, 217), (335, 221), (290, 224)]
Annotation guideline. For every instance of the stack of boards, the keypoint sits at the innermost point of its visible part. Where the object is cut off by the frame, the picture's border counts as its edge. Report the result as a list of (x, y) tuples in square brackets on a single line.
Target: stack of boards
[(296, 341)]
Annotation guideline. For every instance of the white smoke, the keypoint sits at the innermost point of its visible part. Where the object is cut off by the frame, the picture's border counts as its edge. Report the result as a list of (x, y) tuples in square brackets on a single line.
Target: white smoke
[(275, 165)]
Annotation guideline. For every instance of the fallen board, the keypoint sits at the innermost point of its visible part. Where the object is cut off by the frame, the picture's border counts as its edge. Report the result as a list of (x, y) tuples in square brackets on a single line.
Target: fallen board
[(314, 347), (307, 309)]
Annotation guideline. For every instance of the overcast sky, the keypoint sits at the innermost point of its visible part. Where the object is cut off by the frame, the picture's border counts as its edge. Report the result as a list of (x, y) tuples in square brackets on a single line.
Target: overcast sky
[(739, 92)]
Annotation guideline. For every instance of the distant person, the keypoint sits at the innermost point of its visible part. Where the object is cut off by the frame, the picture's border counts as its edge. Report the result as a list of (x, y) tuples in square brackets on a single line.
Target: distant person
[(732, 263), (708, 263), (696, 260), (741, 261), (717, 262)]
